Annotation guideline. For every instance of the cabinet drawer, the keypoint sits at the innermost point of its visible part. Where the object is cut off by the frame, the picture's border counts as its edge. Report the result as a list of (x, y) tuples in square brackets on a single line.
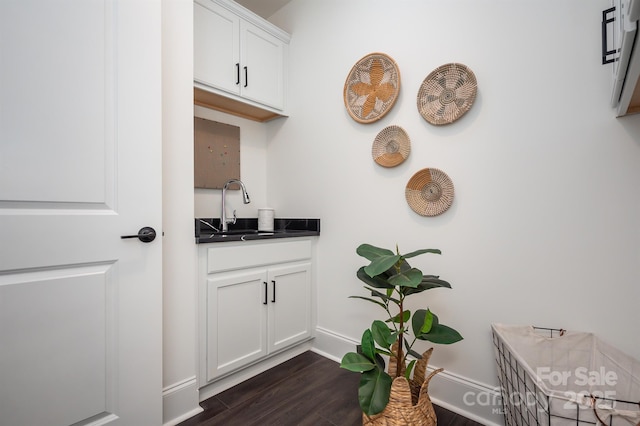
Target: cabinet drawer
[(230, 257)]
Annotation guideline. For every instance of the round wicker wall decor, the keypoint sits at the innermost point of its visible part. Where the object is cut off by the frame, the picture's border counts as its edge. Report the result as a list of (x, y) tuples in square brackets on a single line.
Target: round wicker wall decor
[(391, 146), (447, 93), (371, 88), (429, 192)]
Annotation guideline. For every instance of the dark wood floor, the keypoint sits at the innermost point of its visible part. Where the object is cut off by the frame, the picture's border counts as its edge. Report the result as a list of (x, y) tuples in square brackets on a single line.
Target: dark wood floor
[(306, 390)]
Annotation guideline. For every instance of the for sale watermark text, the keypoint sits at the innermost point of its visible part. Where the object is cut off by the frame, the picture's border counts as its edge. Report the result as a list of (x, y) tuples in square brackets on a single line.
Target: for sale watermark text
[(580, 376)]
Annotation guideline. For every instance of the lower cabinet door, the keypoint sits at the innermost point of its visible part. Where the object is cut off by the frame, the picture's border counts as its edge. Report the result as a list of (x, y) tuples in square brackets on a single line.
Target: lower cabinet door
[(289, 315), (236, 321)]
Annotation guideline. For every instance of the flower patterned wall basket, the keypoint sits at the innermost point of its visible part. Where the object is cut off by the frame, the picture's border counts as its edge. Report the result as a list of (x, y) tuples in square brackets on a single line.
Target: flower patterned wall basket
[(429, 192), (447, 93), (371, 88), (391, 146)]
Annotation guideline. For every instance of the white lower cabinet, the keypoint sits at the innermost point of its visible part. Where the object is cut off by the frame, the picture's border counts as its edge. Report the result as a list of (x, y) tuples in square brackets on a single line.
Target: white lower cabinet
[(255, 300)]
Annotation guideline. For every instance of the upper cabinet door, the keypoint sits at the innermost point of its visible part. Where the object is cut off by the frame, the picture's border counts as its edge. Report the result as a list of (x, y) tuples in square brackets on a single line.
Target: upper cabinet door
[(262, 61), (216, 45)]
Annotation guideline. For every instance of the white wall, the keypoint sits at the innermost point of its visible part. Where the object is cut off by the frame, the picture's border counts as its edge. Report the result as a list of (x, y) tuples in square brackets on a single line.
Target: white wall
[(180, 392), (545, 224)]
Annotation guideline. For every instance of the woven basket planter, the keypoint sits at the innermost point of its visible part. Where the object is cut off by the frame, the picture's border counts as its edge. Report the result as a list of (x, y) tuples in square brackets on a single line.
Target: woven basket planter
[(409, 402)]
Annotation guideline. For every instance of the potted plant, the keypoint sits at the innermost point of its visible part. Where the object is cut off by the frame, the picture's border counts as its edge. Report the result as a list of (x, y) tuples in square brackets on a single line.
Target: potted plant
[(390, 280)]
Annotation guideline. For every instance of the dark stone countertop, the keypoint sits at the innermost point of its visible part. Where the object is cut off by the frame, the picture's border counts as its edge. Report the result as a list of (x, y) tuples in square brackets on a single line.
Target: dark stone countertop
[(246, 229)]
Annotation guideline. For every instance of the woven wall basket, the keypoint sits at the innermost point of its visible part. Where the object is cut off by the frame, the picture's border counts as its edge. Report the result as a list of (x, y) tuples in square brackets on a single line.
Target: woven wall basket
[(447, 94), (429, 192), (371, 88), (391, 146), (409, 402)]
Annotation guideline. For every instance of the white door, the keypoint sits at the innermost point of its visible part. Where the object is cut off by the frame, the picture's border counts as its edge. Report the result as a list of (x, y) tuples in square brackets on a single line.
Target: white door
[(290, 305), (262, 60), (80, 166), (216, 47), (236, 321)]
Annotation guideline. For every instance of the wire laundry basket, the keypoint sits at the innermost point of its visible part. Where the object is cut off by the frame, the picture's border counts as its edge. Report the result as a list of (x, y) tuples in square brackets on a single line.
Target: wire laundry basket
[(554, 377)]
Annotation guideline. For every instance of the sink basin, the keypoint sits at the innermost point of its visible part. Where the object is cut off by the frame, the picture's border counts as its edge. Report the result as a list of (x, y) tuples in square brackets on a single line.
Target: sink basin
[(251, 232), (237, 231)]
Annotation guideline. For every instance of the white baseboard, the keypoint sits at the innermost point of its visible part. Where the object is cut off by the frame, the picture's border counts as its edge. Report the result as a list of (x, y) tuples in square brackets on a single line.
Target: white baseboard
[(180, 401), (463, 396)]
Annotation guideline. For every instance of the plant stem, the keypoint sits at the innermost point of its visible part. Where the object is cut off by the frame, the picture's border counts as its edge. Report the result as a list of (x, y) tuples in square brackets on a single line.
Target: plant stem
[(399, 356)]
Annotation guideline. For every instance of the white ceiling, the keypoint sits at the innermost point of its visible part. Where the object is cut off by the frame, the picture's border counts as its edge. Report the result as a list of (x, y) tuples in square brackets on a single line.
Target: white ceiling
[(264, 8)]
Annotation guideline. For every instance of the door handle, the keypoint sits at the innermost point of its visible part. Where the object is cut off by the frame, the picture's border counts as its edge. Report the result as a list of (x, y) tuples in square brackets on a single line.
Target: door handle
[(273, 296), (265, 292), (146, 234), (246, 77)]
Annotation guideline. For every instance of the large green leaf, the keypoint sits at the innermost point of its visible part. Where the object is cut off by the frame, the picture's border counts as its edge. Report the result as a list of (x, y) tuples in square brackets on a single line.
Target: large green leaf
[(428, 282), (356, 362), (422, 322), (411, 278), (379, 281), (441, 334), (419, 252), (433, 281), (368, 346), (374, 391), (371, 253), (381, 264), (382, 334)]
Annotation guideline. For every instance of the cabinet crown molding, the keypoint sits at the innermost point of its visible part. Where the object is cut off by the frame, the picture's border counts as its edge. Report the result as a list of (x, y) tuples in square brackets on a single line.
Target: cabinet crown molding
[(249, 16)]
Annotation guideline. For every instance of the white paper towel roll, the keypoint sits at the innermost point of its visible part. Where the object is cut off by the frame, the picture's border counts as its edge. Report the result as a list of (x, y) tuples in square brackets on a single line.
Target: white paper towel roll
[(265, 219)]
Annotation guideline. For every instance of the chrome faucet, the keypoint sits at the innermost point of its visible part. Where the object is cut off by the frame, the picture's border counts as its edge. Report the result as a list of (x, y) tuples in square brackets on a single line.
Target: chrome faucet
[(224, 221)]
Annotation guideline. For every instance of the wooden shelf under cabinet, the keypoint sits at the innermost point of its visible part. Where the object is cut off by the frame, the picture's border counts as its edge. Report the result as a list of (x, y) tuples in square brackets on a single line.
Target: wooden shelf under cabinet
[(231, 106)]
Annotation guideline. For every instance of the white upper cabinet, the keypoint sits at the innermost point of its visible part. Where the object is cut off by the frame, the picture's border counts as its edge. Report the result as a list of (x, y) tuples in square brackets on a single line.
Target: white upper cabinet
[(216, 44), (239, 55)]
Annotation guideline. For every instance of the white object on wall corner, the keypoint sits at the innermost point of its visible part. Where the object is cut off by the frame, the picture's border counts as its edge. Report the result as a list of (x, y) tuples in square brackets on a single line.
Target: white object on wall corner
[(478, 401)]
